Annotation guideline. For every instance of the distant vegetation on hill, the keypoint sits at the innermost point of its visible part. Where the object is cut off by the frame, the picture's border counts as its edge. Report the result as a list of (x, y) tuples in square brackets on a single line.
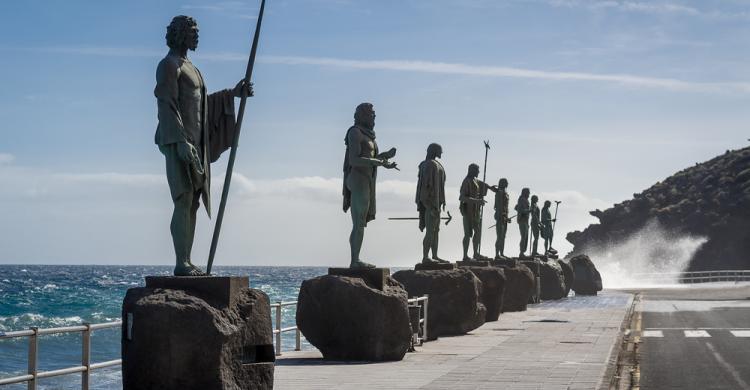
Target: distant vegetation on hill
[(711, 199)]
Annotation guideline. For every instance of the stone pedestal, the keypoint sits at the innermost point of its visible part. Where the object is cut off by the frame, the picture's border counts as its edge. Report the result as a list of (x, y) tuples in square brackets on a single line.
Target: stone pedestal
[(552, 280), (433, 266), (197, 333), (374, 277), (587, 280), (454, 306), (493, 287), (568, 273), (347, 319), (519, 287)]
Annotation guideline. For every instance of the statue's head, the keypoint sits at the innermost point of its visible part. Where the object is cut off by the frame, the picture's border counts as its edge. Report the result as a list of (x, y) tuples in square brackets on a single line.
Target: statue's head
[(182, 33), (503, 183), (547, 204), (534, 199), (364, 115), (473, 170), (434, 151), (525, 192)]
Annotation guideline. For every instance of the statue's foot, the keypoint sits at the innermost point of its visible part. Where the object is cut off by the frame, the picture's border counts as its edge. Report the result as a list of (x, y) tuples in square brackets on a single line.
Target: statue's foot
[(467, 258), (498, 257), (187, 269), (439, 260), (478, 257), (361, 264)]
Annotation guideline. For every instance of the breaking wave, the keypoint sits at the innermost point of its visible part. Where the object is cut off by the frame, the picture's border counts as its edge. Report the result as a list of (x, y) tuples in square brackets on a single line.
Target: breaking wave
[(651, 250)]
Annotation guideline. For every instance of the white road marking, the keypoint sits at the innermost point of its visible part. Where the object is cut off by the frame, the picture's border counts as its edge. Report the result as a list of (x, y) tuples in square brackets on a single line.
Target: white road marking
[(729, 368), (696, 333), (652, 333), (740, 333)]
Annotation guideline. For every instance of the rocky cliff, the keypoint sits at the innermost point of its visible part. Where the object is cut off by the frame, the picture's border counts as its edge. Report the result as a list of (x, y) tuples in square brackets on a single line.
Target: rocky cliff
[(710, 199)]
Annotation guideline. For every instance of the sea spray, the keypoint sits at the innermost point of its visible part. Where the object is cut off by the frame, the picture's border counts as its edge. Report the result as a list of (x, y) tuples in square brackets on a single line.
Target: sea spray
[(651, 250)]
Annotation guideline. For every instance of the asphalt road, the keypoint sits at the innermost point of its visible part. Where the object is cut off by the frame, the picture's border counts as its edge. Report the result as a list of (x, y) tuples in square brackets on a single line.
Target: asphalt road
[(695, 337)]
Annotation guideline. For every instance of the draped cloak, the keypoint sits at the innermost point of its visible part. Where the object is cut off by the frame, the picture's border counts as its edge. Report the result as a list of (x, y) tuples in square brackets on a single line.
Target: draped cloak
[(430, 188), (188, 114)]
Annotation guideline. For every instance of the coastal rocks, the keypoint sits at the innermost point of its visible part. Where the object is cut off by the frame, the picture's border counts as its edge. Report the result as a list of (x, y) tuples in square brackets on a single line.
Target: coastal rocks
[(178, 339), (710, 200), (493, 287), (346, 319), (519, 286), (568, 274), (454, 305), (552, 280), (587, 278)]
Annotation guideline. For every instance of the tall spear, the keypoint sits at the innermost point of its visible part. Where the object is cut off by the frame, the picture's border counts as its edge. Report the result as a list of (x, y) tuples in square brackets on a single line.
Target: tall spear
[(554, 221), (233, 153), (481, 208)]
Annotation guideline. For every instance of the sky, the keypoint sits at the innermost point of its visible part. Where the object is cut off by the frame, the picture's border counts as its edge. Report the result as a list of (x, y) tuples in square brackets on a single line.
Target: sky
[(583, 101)]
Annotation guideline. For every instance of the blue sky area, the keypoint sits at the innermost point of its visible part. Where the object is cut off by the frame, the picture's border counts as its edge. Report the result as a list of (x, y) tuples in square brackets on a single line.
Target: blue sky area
[(583, 101)]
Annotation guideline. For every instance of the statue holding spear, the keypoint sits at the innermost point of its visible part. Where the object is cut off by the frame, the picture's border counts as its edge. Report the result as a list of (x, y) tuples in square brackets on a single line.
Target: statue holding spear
[(194, 129)]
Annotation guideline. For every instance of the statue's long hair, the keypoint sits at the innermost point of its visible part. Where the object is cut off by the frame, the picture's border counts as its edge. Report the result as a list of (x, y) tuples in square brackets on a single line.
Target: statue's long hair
[(177, 31), (433, 150)]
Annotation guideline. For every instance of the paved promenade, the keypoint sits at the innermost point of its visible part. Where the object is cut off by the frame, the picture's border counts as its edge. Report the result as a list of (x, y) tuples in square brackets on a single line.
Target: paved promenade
[(566, 344)]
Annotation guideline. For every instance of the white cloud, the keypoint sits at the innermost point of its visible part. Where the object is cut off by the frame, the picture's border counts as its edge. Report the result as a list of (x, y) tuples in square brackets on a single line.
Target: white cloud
[(6, 158), (511, 72)]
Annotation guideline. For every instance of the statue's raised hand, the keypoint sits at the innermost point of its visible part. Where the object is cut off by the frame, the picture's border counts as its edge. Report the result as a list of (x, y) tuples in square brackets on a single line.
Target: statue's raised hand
[(243, 89), (389, 165)]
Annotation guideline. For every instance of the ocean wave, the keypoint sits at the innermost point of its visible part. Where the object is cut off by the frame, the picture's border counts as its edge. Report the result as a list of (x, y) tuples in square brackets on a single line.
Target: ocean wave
[(27, 320)]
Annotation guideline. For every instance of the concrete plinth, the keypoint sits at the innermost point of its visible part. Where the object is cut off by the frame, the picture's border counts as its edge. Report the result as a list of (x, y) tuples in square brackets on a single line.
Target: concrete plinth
[(373, 277), (222, 289), (197, 333), (434, 266), (473, 263)]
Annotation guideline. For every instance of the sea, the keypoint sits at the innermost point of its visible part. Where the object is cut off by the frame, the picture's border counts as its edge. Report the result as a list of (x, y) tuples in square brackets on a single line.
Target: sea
[(48, 296)]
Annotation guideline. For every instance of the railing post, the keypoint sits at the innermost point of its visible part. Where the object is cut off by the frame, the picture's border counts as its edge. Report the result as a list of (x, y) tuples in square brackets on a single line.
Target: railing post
[(298, 340), (33, 346), (426, 303), (278, 329), (86, 356)]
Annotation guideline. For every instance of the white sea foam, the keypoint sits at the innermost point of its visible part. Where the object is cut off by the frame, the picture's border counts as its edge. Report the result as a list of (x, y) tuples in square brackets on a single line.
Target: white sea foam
[(652, 249)]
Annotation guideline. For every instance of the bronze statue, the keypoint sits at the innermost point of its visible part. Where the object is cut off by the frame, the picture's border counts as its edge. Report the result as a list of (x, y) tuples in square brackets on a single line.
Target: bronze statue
[(535, 225), (430, 198), (523, 210), (361, 163), (547, 231), (194, 129), (502, 201), (472, 195)]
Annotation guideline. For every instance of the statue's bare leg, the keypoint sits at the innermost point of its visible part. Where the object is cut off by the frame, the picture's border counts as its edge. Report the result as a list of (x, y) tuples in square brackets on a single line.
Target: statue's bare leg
[(468, 231), (182, 228), (359, 208), (426, 245)]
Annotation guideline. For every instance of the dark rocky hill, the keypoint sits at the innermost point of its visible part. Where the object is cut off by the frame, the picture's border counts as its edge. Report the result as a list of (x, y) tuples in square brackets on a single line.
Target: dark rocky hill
[(711, 199)]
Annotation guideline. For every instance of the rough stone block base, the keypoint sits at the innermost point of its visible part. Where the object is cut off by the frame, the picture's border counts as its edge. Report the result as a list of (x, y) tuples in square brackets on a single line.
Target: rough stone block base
[(347, 319), (190, 338), (454, 306)]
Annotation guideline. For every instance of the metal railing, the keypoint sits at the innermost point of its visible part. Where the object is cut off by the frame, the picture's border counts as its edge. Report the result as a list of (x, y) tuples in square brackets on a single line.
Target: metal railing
[(695, 276), (423, 302), (279, 330), (33, 374)]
